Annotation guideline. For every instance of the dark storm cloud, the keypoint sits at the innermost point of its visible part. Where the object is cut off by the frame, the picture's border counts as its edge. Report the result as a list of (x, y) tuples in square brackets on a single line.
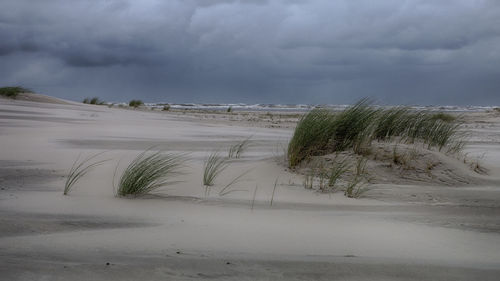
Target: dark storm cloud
[(414, 51)]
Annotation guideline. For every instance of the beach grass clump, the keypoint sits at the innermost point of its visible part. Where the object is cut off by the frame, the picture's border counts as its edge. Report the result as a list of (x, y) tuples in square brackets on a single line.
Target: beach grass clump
[(322, 132), (135, 103), (236, 150), (80, 169), (150, 171), (13, 92), (213, 166), (312, 136)]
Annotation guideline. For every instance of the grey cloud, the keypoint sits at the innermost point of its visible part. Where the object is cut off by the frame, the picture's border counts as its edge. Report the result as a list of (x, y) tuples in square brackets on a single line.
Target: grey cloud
[(255, 51)]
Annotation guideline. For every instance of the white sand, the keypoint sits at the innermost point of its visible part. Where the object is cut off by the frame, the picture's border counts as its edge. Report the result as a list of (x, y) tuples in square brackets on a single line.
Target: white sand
[(396, 232)]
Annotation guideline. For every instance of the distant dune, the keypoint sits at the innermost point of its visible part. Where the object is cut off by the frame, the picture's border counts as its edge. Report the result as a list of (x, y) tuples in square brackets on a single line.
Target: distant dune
[(40, 98)]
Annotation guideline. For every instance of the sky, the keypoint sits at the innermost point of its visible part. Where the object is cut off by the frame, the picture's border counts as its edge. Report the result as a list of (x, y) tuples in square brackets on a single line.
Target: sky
[(425, 52)]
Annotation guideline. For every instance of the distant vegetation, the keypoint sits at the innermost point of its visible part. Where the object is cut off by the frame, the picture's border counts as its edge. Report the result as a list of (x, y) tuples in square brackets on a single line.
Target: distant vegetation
[(94, 100), (322, 131), (444, 117), (135, 103), (12, 92)]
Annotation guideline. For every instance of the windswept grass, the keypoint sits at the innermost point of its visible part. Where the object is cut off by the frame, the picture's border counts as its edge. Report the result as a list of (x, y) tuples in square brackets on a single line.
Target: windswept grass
[(226, 190), (12, 92), (274, 191), (354, 188), (147, 173), (80, 169), (312, 136), (236, 150), (214, 165), (392, 122), (321, 131), (335, 173), (254, 195), (355, 185)]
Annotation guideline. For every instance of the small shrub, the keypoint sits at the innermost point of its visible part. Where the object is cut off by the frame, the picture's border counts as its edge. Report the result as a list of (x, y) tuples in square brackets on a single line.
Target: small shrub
[(135, 103), (147, 173), (229, 109), (94, 100), (166, 107)]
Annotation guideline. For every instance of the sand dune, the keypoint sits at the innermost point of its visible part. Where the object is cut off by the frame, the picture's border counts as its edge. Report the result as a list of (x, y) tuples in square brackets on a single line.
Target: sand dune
[(399, 230)]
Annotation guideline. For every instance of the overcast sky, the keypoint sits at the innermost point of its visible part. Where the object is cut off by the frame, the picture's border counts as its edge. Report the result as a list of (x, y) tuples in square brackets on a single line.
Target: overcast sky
[(255, 51)]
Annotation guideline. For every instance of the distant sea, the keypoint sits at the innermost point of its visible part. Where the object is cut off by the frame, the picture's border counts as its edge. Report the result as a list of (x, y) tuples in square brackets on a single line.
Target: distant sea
[(301, 107)]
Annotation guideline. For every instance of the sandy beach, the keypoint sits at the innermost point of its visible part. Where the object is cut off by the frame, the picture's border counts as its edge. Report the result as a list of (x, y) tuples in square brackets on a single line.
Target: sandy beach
[(398, 230)]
